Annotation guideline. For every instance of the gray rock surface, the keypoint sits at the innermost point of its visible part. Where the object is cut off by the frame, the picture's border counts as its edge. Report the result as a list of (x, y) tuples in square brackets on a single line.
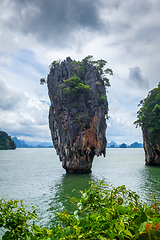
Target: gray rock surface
[(151, 148), (77, 114)]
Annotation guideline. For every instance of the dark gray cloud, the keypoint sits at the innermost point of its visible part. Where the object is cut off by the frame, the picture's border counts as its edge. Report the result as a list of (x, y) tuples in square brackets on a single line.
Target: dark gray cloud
[(136, 78), (53, 21)]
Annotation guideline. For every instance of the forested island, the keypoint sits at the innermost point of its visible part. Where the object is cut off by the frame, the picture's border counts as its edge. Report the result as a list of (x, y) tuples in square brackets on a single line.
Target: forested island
[(113, 144), (148, 118), (6, 141)]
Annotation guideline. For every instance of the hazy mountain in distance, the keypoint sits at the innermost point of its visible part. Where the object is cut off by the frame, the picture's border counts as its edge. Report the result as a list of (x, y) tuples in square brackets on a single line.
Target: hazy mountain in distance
[(19, 143), (136, 145), (33, 144), (37, 143), (112, 144)]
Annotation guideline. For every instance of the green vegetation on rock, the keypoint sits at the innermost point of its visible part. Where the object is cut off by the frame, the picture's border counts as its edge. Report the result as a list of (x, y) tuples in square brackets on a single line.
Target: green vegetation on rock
[(53, 64), (42, 81), (99, 64), (6, 141), (102, 212), (78, 67), (74, 85), (148, 116), (102, 99)]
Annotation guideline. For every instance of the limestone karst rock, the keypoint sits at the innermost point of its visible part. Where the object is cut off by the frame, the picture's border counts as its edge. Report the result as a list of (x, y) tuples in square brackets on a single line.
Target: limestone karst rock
[(77, 113), (6, 141), (151, 148), (149, 121)]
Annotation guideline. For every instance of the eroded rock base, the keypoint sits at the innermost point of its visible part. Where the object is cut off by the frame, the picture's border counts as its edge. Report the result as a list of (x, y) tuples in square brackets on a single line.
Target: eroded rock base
[(151, 148)]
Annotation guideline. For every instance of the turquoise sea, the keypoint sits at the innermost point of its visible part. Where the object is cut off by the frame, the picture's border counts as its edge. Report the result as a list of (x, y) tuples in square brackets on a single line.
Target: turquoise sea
[(36, 176)]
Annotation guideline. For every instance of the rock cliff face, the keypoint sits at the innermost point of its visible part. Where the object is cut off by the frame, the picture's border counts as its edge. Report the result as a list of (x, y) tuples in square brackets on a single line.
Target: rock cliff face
[(77, 113), (151, 148), (6, 141)]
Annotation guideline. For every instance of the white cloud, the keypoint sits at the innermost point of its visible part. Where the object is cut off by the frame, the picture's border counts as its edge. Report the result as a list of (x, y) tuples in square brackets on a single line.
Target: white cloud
[(22, 115), (34, 33)]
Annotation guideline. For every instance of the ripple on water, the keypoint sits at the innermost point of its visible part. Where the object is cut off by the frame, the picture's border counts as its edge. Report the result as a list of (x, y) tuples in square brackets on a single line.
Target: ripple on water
[(37, 177)]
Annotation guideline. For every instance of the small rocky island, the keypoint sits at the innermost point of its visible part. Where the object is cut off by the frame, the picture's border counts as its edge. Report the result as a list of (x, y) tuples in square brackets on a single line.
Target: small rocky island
[(6, 141), (78, 111), (148, 118)]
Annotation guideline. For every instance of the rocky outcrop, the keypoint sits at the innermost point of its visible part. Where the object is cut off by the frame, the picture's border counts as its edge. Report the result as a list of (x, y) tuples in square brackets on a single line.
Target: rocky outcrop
[(148, 118), (151, 147), (77, 113), (6, 141)]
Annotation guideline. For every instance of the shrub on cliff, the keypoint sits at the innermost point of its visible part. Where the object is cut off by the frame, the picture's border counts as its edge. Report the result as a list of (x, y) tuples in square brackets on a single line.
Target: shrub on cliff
[(149, 114), (99, 64), (73, 86), (78, 67), (103, 212)]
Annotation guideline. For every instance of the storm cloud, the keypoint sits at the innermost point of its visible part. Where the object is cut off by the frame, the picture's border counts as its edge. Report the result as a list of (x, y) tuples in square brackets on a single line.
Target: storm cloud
[(52, 22)]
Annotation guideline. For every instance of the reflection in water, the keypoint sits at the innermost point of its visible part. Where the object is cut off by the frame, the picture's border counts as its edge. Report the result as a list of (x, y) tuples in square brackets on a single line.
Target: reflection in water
[(63, 190), (37, 177), (150, 182), (120, 167)]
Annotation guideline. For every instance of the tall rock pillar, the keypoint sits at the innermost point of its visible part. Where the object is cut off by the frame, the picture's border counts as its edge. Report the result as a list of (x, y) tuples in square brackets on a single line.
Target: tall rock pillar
[(77, 113)]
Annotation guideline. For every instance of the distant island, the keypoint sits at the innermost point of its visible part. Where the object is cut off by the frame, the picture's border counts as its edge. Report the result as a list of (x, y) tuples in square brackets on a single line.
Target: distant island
[(124, 145), (35, 144), (6, 141), (30, 144)]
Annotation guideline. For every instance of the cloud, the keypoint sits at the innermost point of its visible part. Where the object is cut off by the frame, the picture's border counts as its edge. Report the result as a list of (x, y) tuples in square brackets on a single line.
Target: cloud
[(9, 99), (136, 78), (123, 106), (121, 129), (22, 115), (34, 33), (52, 22)]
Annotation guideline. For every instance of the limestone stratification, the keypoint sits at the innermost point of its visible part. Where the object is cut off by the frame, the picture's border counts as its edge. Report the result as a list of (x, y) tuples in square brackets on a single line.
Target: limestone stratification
[(6, 141), (77, 113)]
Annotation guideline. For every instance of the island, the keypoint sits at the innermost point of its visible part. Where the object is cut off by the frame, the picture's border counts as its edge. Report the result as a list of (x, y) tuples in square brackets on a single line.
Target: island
[(6, 141), (148, 118), (78, 111)]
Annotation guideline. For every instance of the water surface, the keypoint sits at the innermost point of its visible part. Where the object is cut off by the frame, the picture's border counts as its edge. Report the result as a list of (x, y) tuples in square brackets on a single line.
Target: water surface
[(37, 177)]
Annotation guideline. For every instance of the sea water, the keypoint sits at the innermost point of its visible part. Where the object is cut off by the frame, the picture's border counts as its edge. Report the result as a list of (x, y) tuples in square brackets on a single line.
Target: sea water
[(36, 176)]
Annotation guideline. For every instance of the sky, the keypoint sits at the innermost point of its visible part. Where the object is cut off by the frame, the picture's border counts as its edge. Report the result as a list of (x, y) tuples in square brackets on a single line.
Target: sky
[(34, 33)]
